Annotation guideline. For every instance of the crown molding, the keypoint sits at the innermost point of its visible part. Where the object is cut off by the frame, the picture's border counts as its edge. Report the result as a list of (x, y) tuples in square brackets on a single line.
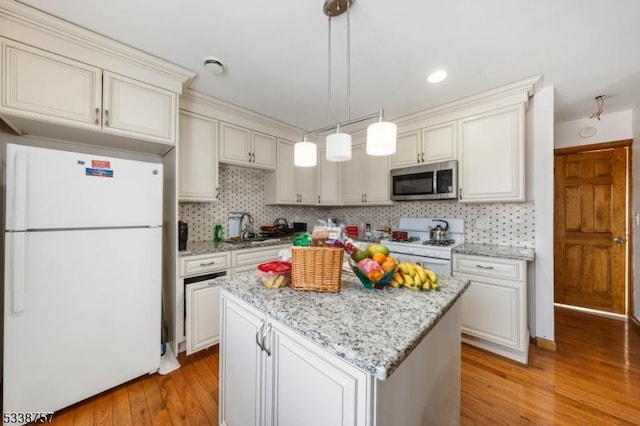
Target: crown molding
[(509, 94), (200, 103), (27, 24)]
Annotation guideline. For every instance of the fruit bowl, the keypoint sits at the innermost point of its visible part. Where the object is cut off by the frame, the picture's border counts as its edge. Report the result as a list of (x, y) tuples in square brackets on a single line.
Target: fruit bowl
[(368, 283)]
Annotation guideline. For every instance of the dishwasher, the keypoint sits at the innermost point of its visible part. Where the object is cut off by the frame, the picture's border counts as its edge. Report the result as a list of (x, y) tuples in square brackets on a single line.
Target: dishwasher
[(202, 311)]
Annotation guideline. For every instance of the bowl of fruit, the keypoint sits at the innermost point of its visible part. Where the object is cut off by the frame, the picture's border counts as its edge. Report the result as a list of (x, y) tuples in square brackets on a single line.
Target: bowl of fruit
[(373, 266)]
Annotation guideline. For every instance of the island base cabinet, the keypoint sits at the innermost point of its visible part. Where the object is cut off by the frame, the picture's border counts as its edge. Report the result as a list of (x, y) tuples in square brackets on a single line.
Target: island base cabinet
[(270, 376), (311, 388), (425, 389)]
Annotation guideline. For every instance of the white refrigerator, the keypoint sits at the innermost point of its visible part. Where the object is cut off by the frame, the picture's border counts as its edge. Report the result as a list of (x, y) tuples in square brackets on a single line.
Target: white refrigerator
[(82, 284)]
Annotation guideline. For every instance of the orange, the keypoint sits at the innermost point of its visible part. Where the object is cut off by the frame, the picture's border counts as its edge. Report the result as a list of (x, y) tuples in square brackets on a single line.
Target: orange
[(388, 265), (389, 258), (374, 276), (379, 258)]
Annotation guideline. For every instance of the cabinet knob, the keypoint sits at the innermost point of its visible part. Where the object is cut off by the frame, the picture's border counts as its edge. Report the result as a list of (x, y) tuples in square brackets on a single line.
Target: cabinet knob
[(217, 192), (484, 267), (249, 154), (423, 157), (318, 199), (106, 117), (97, 115), (253, 157), (417, 157), (619, 240)]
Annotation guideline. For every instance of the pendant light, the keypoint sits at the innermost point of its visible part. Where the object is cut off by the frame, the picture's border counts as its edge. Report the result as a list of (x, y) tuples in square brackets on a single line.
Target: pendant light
[(381, 135)]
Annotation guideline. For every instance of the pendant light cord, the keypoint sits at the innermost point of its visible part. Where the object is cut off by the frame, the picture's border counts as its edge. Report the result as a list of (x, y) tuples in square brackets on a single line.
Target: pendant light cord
[(329, 76), (348, 60)]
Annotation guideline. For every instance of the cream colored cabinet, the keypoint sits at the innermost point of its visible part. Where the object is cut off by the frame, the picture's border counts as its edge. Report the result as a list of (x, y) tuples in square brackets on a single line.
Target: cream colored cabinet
[(249, 259), (494, 308), (136, 109), (429, 145), (328, 180), (365, 178), (492, 156), (245, 147), (198, 158), (202, 315), (290, 184), (40, 85), (43, 86), (269, 375)]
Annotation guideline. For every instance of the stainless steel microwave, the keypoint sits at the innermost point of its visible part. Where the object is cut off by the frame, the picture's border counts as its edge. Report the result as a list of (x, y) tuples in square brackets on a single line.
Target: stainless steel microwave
[(436, 181)]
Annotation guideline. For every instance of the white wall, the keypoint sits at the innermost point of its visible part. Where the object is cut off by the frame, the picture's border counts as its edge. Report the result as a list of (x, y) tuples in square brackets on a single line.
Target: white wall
[(636, 210), (540, 145), (611, 127)]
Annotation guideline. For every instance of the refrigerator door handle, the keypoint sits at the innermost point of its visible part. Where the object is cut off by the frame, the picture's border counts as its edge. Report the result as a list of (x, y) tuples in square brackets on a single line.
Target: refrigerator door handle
[(17, 271), (17, 217)]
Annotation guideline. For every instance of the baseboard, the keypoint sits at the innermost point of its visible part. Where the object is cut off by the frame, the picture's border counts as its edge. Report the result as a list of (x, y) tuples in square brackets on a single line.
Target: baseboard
[(619, 317), (549, 345), (635, 322)]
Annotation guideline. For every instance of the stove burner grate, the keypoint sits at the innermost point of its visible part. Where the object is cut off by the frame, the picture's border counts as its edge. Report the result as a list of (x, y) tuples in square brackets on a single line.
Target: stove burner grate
[(404, 240), (441, 243)]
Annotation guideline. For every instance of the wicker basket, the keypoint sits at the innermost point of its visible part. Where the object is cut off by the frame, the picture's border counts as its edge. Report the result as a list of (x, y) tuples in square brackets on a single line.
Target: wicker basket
[(316, 268)]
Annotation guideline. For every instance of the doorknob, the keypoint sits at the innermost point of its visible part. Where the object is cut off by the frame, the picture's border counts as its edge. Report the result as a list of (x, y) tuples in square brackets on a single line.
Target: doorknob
[(618, 240)]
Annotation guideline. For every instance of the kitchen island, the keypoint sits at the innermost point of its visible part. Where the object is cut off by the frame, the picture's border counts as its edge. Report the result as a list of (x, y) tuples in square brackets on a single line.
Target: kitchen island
[(357, 357)]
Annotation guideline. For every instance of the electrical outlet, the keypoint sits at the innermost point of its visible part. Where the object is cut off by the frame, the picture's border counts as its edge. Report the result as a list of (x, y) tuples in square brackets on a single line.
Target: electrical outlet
[(637, 219)]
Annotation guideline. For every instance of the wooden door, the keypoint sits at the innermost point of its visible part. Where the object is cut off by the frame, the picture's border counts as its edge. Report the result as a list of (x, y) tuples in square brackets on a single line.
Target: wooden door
[(591, 229)]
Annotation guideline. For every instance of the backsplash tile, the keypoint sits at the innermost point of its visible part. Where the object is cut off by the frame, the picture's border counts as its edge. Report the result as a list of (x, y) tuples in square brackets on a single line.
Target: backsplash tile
[(511, 224)]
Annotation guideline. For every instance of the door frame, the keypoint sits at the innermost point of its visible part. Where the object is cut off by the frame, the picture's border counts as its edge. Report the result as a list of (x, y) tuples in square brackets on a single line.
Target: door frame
[(627, 144)]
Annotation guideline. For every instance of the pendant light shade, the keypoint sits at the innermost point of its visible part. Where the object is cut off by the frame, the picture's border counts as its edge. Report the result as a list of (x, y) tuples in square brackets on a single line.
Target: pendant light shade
[(381, 138), (305, 154), (339, 147)]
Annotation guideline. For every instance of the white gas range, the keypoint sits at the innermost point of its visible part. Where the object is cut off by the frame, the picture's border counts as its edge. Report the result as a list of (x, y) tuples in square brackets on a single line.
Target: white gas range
[(418, 248)]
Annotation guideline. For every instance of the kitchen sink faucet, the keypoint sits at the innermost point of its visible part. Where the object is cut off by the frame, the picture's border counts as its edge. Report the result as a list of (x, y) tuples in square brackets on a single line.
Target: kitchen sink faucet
[(247, 226)]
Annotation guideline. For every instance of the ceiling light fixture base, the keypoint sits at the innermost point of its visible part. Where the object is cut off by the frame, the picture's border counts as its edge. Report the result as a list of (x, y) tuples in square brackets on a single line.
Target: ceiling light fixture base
[(214, 64), (333, 8)]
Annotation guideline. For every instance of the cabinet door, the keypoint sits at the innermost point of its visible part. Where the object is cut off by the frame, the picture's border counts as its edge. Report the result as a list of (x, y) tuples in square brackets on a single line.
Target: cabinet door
[(351, 172), (328, 179), (491, 310), (37, 84), (408, 150), (307, 184), (203, 315), (234, 144), (492, 156), (263, 151), (139, 110), (307, 386), (286, 175), (439, 143), (241, 366), (198, 158), (376, 179)]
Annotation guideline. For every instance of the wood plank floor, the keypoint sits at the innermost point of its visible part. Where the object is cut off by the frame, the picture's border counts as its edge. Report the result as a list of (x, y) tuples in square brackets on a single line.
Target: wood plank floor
[(593, 379)]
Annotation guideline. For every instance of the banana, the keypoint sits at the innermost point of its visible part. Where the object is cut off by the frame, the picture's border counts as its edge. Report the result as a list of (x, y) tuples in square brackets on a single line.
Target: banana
[(270, 282), (408, 281), (435, 286), (421, 273), (426, 285), (395, 283), (404, 267), (397, 276), (432, 275)]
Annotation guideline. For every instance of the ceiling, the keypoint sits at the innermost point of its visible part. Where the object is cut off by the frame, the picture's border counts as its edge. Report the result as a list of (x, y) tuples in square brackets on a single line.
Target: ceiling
[(276, 52)]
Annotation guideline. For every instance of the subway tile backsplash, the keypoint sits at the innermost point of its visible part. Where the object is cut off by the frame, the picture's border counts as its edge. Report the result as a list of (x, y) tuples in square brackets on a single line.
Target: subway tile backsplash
[(511, 224)]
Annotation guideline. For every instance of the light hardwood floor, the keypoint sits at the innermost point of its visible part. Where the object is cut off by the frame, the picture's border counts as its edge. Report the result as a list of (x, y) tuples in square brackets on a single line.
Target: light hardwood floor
[(593, 379)]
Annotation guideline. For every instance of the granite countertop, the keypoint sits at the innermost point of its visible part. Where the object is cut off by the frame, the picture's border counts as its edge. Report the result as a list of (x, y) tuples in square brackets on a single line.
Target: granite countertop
[(375, 330), (490, 250), (207, 247)]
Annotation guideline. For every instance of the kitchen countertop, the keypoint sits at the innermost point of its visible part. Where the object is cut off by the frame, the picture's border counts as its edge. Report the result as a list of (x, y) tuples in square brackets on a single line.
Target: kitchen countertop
[(207, 247), (490, 250), (375, 330)]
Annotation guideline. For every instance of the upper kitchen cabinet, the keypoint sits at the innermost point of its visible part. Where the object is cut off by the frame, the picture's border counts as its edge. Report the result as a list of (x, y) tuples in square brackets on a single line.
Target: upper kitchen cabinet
[(290, 184), (328, 180), (243, 147), (492, 156), (429, 145), (64, 82), (198, 158), (365, 178)]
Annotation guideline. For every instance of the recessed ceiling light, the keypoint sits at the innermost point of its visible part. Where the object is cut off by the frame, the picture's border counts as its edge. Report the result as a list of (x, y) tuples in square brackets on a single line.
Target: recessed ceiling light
[(437, 76), (213, 64)]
